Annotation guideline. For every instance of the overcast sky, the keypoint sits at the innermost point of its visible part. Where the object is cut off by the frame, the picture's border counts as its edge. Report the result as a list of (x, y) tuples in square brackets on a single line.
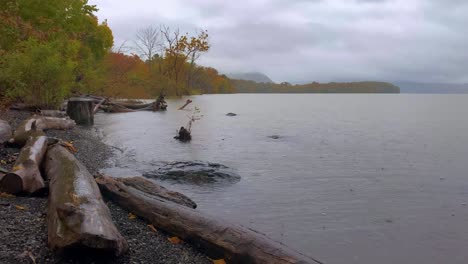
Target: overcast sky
[(314, 40)]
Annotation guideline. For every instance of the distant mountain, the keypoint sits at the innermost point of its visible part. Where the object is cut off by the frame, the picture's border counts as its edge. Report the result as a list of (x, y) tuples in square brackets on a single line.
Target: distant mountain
[(251, 76), (432, 88)]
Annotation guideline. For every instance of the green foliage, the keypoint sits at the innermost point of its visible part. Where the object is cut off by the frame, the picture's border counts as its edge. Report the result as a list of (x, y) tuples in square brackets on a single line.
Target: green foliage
[(49, 47), (39, 73)]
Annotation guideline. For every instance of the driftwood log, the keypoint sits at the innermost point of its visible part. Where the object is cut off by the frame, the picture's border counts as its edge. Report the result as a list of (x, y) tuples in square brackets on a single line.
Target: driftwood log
[(154, 189), (81, 110), (216, 238), (77, 216), (35, 125), (186, 103), (26, 176), (115, 108), (53, 113), (135, 106), (5, 131)]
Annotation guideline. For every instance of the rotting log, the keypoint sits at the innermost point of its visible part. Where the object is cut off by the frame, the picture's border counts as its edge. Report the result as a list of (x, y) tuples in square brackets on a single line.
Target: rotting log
[(81, 110), (35, 125), (151, 188), (216, 238), (77, 216), (5, 131), (26, 176)]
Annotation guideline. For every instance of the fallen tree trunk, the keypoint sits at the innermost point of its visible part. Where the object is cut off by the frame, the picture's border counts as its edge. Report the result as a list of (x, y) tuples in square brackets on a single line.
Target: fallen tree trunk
[(115, 108), (77, 216), (53, 113), (24, 107), (134, 106), (26, 176), (216, 238), (35, 125), (154, 189)]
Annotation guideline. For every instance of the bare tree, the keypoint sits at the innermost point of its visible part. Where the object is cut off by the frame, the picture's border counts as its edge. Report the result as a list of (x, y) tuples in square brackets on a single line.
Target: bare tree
[(122, 48), (148, 42)]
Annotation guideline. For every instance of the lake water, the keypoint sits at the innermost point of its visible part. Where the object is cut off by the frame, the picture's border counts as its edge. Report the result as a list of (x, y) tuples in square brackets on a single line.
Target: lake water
[(351, 178)]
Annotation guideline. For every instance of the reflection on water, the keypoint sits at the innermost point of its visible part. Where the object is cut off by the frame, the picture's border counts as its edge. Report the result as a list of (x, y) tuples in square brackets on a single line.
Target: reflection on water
[(343, 178)]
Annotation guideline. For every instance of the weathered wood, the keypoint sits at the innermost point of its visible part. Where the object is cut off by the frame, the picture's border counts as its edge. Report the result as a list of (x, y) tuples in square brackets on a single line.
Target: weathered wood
[(81, 110), (96, 106), (53, 113), (216, 238), (25, 130), (35, 125), (153, 189), (115, 108), (5, 131), (26, 176), (77, 216), (186, 103), (134, 106)]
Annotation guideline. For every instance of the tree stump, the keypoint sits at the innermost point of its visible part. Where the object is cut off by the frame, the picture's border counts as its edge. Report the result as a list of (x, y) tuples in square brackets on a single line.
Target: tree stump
[(81, 110)]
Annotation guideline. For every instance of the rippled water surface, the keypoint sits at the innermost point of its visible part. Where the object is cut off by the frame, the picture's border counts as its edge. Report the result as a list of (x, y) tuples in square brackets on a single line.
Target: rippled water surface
[(349, 179)]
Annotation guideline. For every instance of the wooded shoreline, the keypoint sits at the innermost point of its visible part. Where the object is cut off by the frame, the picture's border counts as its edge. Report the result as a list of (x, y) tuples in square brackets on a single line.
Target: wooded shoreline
[(205, 233)]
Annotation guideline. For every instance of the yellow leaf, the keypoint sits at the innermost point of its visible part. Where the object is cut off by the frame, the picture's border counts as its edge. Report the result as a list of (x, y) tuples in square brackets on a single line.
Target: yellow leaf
[(19, 207), (6, 195), (17, 168), (153, 228), (3, 162), (219, 261), (175, 240), (131, 216)]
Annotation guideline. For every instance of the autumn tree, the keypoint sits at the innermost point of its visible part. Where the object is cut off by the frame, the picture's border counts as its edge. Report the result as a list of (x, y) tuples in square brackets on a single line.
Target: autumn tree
[(49, 47), (180, 50)]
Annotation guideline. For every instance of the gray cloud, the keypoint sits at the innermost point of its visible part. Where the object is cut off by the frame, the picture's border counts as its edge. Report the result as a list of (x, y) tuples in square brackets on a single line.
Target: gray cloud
[(317, 40)]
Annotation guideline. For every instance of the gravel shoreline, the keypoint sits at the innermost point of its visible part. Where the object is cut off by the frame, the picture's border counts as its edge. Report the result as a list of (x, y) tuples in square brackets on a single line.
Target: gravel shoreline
[(23, 227)]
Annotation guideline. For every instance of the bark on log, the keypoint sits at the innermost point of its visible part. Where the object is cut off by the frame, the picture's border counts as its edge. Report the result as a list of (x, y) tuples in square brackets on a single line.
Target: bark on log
[(81, 110), (77, 216), (26, 176), (154, 189), (34, 125), (216, 238), (5, 131)]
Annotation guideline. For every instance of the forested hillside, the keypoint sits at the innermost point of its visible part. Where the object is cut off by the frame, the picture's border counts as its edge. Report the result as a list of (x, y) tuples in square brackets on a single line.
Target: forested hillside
[(242, 86)]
